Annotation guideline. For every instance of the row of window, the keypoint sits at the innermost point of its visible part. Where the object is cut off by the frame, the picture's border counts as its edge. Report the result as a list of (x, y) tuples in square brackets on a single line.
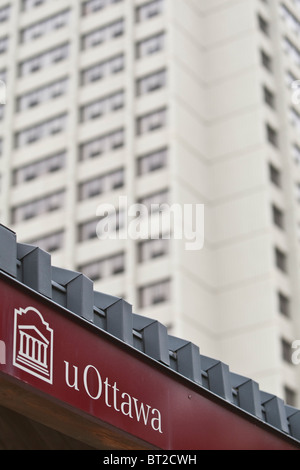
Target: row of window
[(144, 12), (105, 143), (96, 147), (103, 34), (88, 230), (115, 101), (278, 217), (92, 229), (41, 131), (39, 168), (103, 69), (147, 250), (104, 268), (102, 106), (50, 164), (149, 295), (281, 259), (43, 94), (29, 4), (50, 243), (92, 6), (36, 63), (38, 207), (46, 26), (102, 184), (107, 32), (44, 59), (294, 52)]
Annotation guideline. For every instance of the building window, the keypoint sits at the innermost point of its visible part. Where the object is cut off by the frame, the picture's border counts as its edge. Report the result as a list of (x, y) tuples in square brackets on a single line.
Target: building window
[(291, 50), (284, 304), (2, 111), (266, 60), (98, 108), (296, 154), (88, 230), (152, 122), (263, 25), (92, 229), (41, 95), (92, 6), (155, 202), (154, 294), (149, 10), (278, 217), (50, 243), (152, 162), (281, 260), (46, 26), (286, 350), (103, 69), (290, 397), (275, 175), (29, 4), (99, 146), (4, 13), (150, 45), (3, 44), (3, 78), (41, 131), (290, 78), (104, 268), (46, 59), (269, 97), (295, 119), (103, 34), (272, 135), (101, 184), (39, 168), (152, 249), (153, 82), (38, 207)]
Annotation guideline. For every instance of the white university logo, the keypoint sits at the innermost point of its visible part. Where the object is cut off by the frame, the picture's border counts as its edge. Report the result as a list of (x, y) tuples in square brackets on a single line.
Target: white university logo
[(33, 344)]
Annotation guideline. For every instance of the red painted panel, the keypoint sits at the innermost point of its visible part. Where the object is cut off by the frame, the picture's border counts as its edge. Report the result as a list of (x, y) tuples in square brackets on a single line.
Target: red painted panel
[(66, 358)]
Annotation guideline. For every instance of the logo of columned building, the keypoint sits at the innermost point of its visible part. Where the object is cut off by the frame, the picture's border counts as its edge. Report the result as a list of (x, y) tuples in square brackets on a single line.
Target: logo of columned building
[(33, 344)]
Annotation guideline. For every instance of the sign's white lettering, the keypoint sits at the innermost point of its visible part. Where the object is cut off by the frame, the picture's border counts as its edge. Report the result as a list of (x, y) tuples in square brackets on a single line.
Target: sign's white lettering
[(113, 397)]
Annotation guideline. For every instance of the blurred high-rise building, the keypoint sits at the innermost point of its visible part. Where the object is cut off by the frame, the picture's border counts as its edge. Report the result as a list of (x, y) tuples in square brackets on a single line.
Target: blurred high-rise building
[(164, 101)]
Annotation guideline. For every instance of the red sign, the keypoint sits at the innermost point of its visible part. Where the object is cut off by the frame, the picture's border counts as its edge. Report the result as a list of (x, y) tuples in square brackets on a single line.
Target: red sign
[(70, 360)]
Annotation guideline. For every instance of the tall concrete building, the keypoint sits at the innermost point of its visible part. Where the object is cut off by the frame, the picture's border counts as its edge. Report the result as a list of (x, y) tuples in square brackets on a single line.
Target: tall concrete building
[(164, 101)]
